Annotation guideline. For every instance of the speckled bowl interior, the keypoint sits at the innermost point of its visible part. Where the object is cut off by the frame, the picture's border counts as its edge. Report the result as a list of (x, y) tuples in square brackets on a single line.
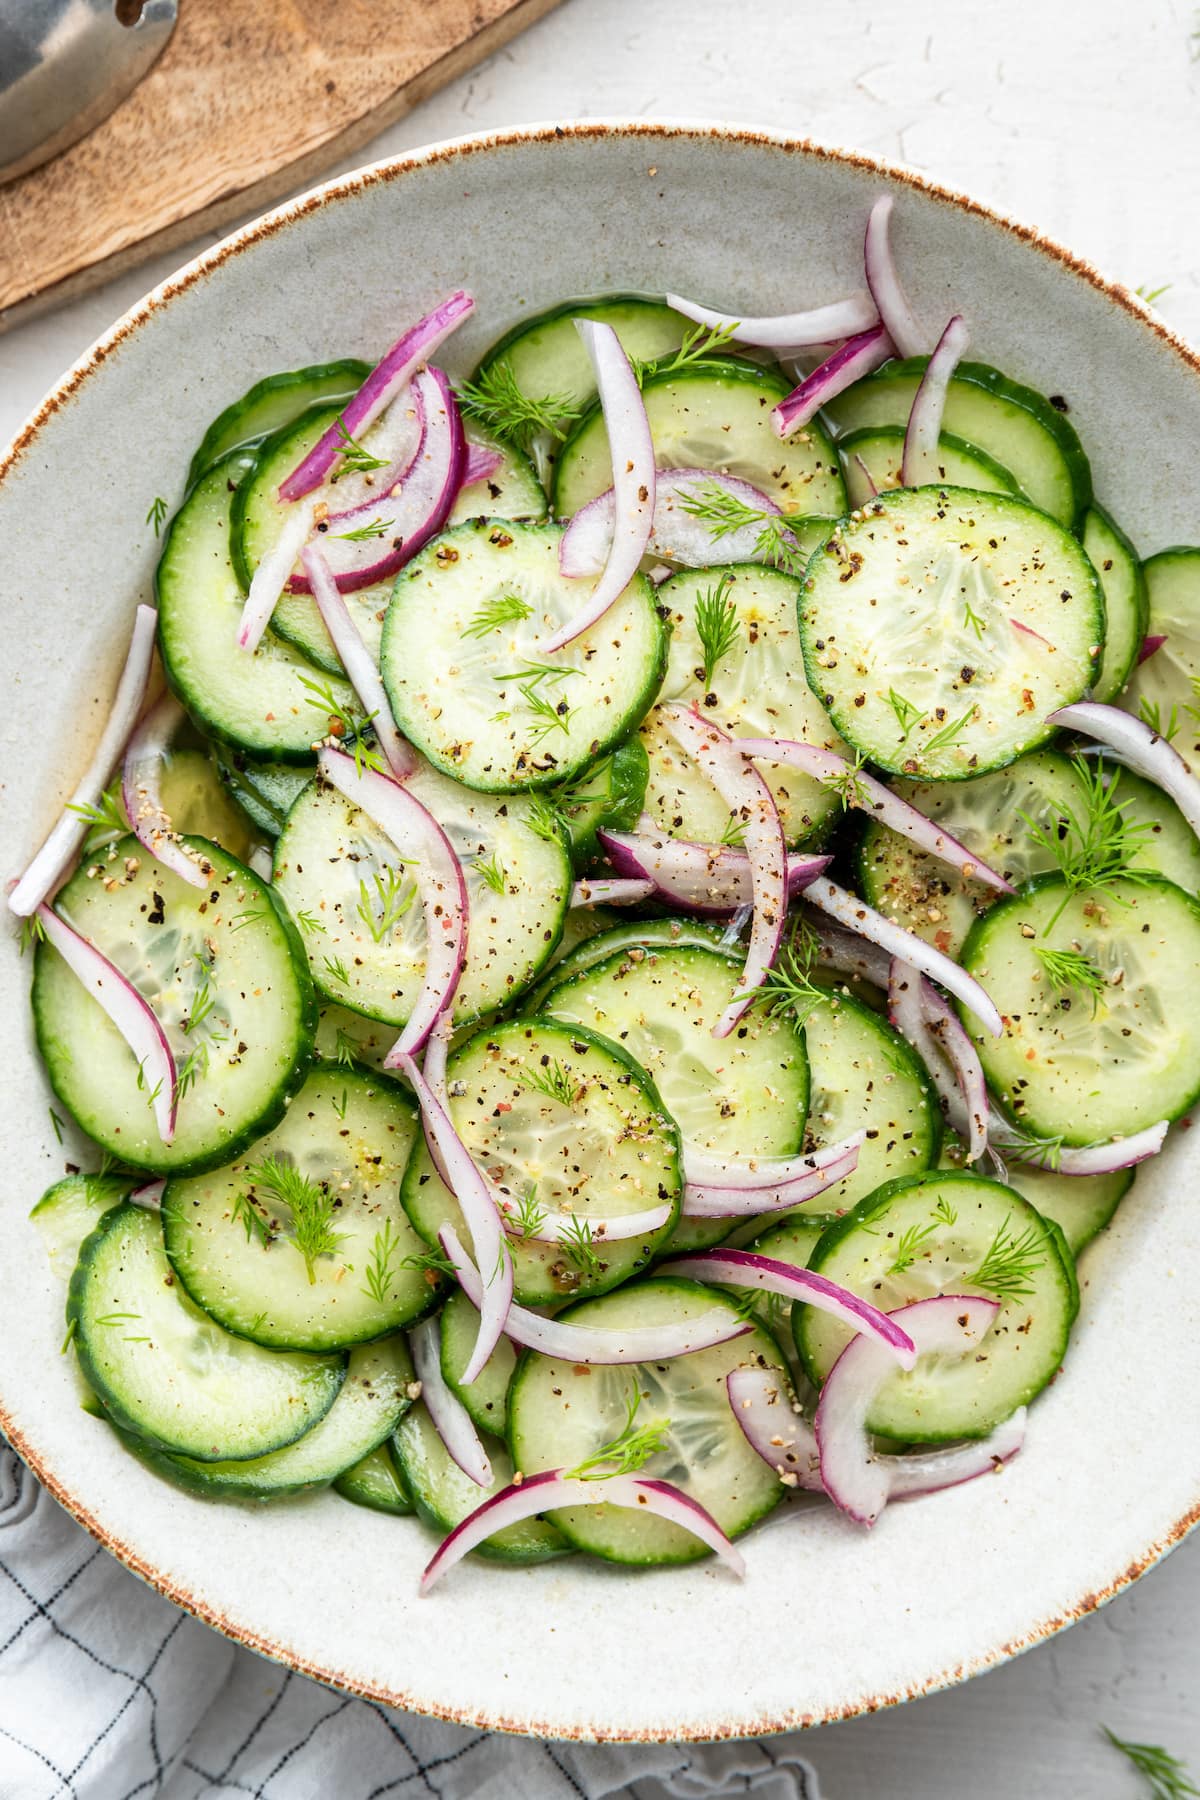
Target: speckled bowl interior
[(831, 1620)]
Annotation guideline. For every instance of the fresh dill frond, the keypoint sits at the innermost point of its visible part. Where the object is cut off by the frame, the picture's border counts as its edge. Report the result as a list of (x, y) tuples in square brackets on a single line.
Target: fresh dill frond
[(629, 1451), (576, 1240), (497, 401), (910, 1245), (1150, 713), (724, 512), (526, 1216), (375, 528), (950, 732), (544, 820), (204, 997), (1095, 845), (32, 932), (717, 625), (847, 785), (56, 1125), (353, 457), (493, 615), (336, 970), (1008, 1269), (788, 988), (246, 918), (533, 674), (345, 1050), (385, 1246), (908, 716), (1166, 1776), (106, 816), (247, 1214), (156, 514), (195, 1064), (384, 901), (311, 1206), (1036, 1150), (1144, 292), (492, 871), (547, 716), (552, 1080), (1066, 969), (429, 1262), (944, 1213), (699, 342), (972, 620), (339, 1106), (308, 920), (733, 833), (776, 546)]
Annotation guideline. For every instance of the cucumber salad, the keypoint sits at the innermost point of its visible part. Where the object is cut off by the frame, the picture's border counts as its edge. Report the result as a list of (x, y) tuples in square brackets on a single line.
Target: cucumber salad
[(627, 926)]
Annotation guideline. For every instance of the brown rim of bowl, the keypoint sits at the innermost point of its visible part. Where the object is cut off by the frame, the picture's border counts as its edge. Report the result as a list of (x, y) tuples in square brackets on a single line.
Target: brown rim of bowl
[(210, 260)]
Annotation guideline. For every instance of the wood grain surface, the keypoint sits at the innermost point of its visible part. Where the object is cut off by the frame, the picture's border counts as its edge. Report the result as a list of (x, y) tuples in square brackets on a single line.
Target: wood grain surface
[(251, 98)]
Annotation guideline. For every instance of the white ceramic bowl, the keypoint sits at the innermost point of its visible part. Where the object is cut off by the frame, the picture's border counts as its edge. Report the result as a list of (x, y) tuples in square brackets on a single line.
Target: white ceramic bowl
[(831, 1621)]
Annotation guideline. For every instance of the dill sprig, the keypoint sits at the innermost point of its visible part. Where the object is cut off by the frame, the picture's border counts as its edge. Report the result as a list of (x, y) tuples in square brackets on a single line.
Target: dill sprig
[(492, 871), (345, 1050), (204, 997), (498, 402), (311, 1206), (525, 1216), (972, 620), (380, 1275), (733, 833), (32, 932), (1150, 713), (723, 513), (157, 513), (699, 342), (245, 1212), (342, 724), (547, 716), (1095, 845), (383, 901), (717, 625), (1166, 1776), (336, 970), (1066, 969), (305, 918), (910, 1245), (788, 987), (908, 716), (508, 609), (629, 1451), (376, 528), (544, 820), (1035, 1150), (353, 456), (576, 1240), (429, 1262), (847, 786), (1011, 1262), (107, 815), (950, 732), (552, 1080)]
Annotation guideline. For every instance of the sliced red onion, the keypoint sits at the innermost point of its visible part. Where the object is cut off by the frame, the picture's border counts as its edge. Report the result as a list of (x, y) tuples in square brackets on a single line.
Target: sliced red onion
[(140, 792), (857, 916), (1079, 1159), (853, 1476), (883, 279), (272, 574), (706, 1170), (530, 1495), (854, 956), (632, 450), (358, 663), (676, 532), (50, 864), (1150, 646), (480, 465), (879, 802), (593, 1343), (610, 893), (748, 797), (872, 490), (558, 1228), (787, 331), (945, 1049), (920, 462), (1020, 625), (746, 1269), (261, 862), (751, 1195), (387, 379), (856, 358), (420, 840), (448, 1415), (699, 878), (931, 1471), (1138, 746), (437, 1051), (149, 1195), (129, 1012), (394, 443)]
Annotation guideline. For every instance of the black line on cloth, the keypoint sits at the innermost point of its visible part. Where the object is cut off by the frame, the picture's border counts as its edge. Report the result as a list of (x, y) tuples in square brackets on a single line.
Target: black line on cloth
[(418, 1767), (214, 1780), (334, 1713), (41, 1607), (562, 1769), (143, 1682), (18, 1480), (33, 1750), (246, 1742), (422, 1769)]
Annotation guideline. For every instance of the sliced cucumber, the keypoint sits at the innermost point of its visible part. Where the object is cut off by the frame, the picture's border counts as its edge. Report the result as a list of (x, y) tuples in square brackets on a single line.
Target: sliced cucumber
[(561, 1414), (929, 897), (630, 936), (1076, 1065), (565, 1122), (1162, 690), (376, 1483), (443, 1496), (166, 1371), (607, 797), (1021, 430), (792, 1242), (713, 414), (1126, 602), (485, 1398), (258, 703), (372, 1402), (265, 791), (949, 1234), (70, 1211), (271, 404), (512, 492), (1080, 1205), (941, 627), (546, 358), (196, 800), (872, 459), (236, 1244), (226, 977), (357, 907), (345, 1038), (480, 698), (757, 689)]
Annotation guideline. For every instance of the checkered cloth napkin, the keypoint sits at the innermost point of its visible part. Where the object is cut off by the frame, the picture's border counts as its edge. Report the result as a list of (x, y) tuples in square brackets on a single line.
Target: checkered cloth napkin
[(107, 1692)]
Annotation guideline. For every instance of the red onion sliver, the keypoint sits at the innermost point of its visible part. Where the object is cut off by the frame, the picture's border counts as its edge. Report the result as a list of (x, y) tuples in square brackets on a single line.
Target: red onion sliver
[(913, 1004), (707, 1170), (1079, 1159), (593, 1343), (149, 1195), (676, 532), (787, 331), (1150, 646), (610, 893), (700, 878), (358, 663), (129, 1012), (389, 376), (931, 1471), (480, 465), (1138, 746), (272, 574), (419, 839), (746, 795), (856, 358), (920, 465), (883, 280), (857, 916), (448, 1415), (744, 1268), (632, 451), (879, 802), (152, 828), (551, 1488), (46, 870), (557, 1228), (745, 1199)]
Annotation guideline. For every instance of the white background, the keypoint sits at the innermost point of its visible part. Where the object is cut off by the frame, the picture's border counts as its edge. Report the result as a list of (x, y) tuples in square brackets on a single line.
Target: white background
[(1081, 117)]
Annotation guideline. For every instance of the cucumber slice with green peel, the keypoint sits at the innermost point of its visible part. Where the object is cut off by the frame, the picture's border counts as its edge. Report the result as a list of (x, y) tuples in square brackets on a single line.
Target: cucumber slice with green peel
[(712, 414), (346, 1038), (265, 791), (929, 897), (944, 1233), (1163, 690), (485, 1398), (242, 1249), (195, 799), (258, 702), (607, 797), (273, 403), (167, 1372), (443, 1496), (1126, 601), (1023, 432), (376, 1483), (757, 688), (465, 676), (872, 461), (1080, 1205), (1095, 1046), (371, 1403), (70, 1211), (941, 627), (357, 909), (630, 936), (225, 975), (512, 492), (565, 1123), (560, 1415)]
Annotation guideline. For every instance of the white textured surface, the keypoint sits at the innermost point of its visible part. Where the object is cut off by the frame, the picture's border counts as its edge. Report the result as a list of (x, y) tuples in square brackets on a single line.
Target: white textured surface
[(1083, 122)]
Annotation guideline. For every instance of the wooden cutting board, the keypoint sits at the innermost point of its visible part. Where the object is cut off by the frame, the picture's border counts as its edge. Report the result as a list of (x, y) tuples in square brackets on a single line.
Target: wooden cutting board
[(249, 99)]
